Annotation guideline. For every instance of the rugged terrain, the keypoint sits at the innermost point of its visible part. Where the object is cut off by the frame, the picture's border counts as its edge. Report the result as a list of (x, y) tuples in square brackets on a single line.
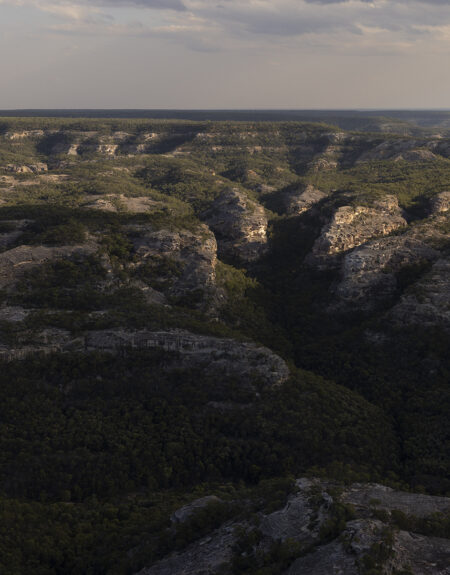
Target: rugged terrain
[(330, 528), (189, 305)]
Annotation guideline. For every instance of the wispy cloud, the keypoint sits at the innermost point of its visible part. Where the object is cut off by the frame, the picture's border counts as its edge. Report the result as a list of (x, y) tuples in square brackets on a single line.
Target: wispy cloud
[(215, 24)]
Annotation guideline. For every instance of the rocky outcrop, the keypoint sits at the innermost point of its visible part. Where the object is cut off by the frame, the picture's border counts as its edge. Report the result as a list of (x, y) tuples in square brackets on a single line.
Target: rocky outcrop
[(207, 556), (368, 276), (187, 511), (440, 203), (16, 262), (246, 362), (408, 150), (366, 495), (367, 543), (14, 229), (221, 357), (302, 517), (427, 302), (352, 226), (178, 263), (298, 201), (328, 158), (38, 168), (240, 226), (364, 542), (24, 134), (120, 203)]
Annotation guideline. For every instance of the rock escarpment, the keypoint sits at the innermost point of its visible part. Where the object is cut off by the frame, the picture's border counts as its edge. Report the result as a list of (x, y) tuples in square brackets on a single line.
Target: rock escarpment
[(120, 203), (373, 274), (329, 156), (351, 226), (219, 357), (440, 203), (408, 150), (368, 538), (178, 263), (367, 542), (16, 262), (216, 356), (368, 276), (37, 168), (298, 201), (240, 226), (427, 302)]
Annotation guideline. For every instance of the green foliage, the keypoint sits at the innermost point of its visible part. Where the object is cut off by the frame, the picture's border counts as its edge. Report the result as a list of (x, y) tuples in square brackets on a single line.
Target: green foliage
[(96, 451), (434, 525)]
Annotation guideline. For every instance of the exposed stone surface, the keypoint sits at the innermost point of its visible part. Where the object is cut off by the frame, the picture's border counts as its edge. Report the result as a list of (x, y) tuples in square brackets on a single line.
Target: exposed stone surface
[(240, 225), (363, 539), (329, 156), (352, 226), (366, 495), (409, 150), (427, 302), (184, 513), (298, 201), (418, 554), (8, 238), (122, 203), (300, 519), (368, 275), (205, 557), (27, 169), (440, 203), (13, 314), (16, 262), (227, 357), (184, 261)]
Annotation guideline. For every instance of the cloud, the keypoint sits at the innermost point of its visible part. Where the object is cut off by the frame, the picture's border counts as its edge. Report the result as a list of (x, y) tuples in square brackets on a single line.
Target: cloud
[(223, 24), (176, 5)]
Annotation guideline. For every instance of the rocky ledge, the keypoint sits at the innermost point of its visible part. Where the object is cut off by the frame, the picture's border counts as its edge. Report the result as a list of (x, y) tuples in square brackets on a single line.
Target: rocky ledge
[(367, 540), (16, 262), (352, 226), (298, 201), (223, 358), (427, 302), (179, 263), (240, 225)]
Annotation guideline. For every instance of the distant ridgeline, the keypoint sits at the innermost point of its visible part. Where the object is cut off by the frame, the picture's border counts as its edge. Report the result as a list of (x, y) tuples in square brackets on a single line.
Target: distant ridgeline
[(196, 306), (365, 120)]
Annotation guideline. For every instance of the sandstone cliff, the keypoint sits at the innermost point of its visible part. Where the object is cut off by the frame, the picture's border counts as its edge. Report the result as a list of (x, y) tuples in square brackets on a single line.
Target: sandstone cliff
[(351, 226), (240, 226), (368, 540)]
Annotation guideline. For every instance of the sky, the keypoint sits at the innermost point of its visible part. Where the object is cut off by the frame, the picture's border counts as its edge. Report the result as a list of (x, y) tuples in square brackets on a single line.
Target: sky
[(225, 54)]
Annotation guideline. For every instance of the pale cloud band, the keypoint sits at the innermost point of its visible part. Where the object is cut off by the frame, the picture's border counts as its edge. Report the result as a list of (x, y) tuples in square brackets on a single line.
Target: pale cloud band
[(274, 51), (245, 19)]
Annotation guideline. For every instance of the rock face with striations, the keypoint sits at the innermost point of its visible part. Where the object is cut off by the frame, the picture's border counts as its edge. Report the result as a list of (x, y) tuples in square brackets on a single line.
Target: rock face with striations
[(298, 201), (16, 262), (357, 547), (368, 276), (240, 226), (223, 358), (352, 226), (178, 263), (215, 356), (427, 302), (365, 540), (440, 203)]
